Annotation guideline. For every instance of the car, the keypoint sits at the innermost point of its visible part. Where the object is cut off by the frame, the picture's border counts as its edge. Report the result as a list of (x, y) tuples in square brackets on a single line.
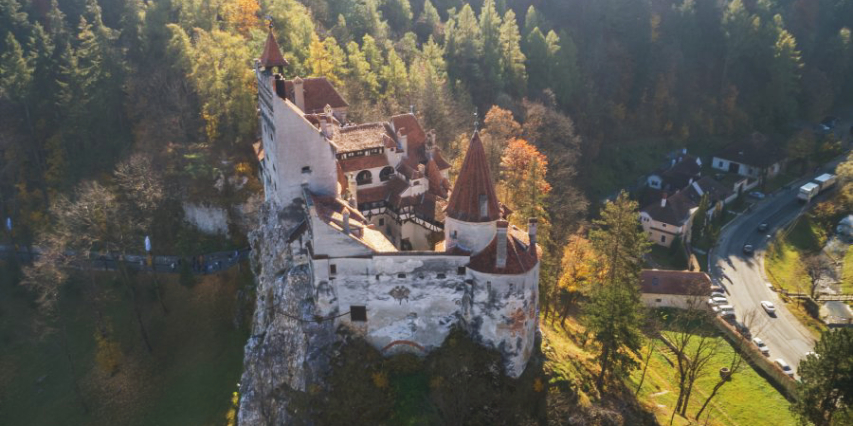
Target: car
[(742, 329), (757, 195), (718, 301), (763, 227), (768, 306), (784, 366), (717, 294), (761, 346), (748, 249), (725, 311), (829, 121)]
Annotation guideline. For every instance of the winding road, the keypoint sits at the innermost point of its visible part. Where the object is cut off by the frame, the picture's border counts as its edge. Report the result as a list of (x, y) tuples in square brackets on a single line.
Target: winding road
[(743, 277)]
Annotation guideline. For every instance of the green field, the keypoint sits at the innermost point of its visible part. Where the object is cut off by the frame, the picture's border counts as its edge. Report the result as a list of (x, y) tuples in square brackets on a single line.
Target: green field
[(188, 378)]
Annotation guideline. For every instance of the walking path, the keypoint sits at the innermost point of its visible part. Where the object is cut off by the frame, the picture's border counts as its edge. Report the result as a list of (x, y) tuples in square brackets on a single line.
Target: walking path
[(199, 264)]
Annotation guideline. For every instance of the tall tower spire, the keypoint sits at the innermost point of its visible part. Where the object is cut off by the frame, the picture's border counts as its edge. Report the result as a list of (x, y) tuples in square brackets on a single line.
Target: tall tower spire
[(272, 54), (473, 198)]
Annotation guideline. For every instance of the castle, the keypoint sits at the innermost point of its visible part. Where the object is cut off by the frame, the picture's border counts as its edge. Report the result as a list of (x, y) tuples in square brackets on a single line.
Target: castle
[(396, 254)]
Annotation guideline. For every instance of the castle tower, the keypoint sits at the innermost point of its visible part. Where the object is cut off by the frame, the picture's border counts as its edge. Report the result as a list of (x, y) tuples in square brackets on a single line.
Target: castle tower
[(473, 209), (271, 56)]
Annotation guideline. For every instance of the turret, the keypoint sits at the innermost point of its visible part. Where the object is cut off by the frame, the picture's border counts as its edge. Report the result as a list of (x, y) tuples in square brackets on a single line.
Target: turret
[(272, 54), (473, 208)]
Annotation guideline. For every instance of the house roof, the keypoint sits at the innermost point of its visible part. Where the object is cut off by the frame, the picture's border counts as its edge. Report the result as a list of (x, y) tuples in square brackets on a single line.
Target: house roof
[(271, 57), (330, 210), (410, 127), (707, 185), (439, 160), (682, 173), (363, 136), (675, 211), (318, 92), (362, 163), (683, 283), (438, 185), (520, 257), (474, 181), (756, 150)]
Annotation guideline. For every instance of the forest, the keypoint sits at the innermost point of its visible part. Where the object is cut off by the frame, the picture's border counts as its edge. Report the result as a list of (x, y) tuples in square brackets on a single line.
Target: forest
[(113, 112)]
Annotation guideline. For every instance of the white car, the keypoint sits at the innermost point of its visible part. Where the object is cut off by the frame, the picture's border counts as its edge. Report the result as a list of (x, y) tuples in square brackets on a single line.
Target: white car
[(725, 311), (784, 366), (757, 195), (718, 294), (761, 346), (718, 301), (768, 306)]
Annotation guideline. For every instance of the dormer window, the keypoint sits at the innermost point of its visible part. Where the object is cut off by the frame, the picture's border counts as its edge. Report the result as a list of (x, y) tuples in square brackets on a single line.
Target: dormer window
[(484, 206)]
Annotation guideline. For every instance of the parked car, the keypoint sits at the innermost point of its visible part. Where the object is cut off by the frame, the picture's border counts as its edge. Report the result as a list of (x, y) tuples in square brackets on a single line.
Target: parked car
[(784, 366), (742, 329), (758, 195), (768, 306), (748, 249), (763, 227), (725, 311), (718, 294), (716, 301), (761, 346)]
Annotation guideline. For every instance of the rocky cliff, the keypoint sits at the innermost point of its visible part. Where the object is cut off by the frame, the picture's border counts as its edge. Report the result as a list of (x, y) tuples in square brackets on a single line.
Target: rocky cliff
[(289, 349)]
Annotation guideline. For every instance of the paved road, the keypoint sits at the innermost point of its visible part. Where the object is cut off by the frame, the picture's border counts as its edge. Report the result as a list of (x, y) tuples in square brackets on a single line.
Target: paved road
[(743, 275)]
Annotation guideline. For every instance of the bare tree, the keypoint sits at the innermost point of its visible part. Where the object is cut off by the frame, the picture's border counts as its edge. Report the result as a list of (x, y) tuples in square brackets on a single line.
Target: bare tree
[(736, 361), (652, 332), (816, 267)]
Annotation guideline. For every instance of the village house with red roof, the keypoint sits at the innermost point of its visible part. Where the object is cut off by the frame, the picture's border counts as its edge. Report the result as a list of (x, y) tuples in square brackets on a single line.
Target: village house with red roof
[(397, 254)]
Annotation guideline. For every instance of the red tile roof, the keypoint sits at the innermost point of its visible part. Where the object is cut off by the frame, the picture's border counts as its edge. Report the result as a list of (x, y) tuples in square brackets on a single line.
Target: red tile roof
[(438, 185), (413, 131), (361, 163), (272, 54), (318, 93), (474, 180), (684, 283), (520, 257), (440, 161), (370, 195), (363, 136)]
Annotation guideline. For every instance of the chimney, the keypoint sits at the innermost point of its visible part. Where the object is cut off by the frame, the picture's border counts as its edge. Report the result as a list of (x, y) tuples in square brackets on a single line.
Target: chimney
[(500, 258), (430, 144), (421, 170), (663, 200), (299, 93), (352, 187), (532, 224), (346, 221)]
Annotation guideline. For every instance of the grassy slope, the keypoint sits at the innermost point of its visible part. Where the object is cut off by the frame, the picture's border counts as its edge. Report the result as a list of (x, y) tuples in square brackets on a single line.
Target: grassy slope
[(847, 273), (188, 379), (747, 400)]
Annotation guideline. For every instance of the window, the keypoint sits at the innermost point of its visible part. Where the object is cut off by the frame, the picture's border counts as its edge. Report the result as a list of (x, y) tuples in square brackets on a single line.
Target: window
[(333, 269), (484, 206), (381, 221), (663, 238), (441, 276), (386, 174), (460, 270), (657, 300), (358, 313), (720, 164), (306, 169), (364, 177), (401, 275)]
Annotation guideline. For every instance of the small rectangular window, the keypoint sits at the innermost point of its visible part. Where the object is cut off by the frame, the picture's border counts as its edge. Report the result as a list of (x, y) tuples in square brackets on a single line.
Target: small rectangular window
[(441, 276), (306, 169), (663, 238), (460, 270), (333, 269), (657, 300), (381, 222), (401, 275), (358, 313)]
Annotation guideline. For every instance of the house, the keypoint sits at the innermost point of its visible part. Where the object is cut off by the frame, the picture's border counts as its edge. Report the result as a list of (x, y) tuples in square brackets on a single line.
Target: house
[(683, 170), (396, 255), (756, 157), (718, 194), (674, 289), (668, 219)]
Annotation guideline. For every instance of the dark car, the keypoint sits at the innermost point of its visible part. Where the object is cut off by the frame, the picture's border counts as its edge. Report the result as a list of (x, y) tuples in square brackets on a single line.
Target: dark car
[(763, 227), (748, 249)]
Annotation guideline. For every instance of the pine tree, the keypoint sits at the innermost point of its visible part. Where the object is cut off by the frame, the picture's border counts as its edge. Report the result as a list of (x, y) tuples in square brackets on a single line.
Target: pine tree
[(16, 74), (783, 87), (490, 30), (825, 392), (531, 20), (614, 311), (538, 62), (464, 48), (512, 58)]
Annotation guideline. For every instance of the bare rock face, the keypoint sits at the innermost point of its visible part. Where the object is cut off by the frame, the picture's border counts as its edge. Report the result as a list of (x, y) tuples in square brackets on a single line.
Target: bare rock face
[(287, 352)]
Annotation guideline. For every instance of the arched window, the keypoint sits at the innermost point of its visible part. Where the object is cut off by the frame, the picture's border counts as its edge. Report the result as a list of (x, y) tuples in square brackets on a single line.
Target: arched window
[(364, 178), (386, 174)]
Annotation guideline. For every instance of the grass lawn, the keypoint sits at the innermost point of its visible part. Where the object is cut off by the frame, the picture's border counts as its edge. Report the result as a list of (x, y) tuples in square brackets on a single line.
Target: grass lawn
[(667, 258), (780, 180), (783, 262), (847, 273), (188, 379), (743, 401)]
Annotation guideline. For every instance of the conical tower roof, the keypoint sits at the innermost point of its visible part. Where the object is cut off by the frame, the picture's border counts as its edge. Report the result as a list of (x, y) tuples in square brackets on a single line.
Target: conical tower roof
[(272, 54), (474, 184)]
